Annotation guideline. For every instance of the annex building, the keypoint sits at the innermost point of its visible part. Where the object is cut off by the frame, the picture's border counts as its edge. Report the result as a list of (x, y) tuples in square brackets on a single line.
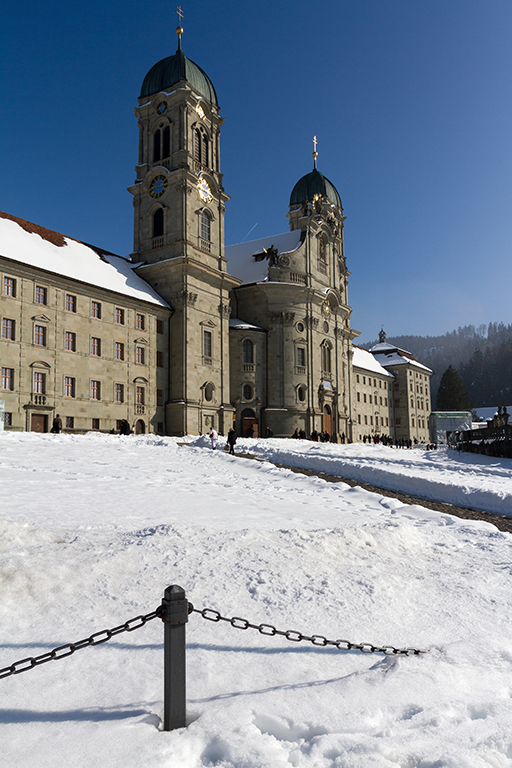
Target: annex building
[(187, 334)]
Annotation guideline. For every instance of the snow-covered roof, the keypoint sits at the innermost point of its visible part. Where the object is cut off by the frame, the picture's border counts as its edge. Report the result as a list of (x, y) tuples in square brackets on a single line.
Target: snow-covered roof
[(241, 325), (242, 265), (37, 246), (398, 357), (364, 359)]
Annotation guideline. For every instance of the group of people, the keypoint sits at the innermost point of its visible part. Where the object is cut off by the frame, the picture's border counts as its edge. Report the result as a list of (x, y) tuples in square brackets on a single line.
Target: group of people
[(322, 437)]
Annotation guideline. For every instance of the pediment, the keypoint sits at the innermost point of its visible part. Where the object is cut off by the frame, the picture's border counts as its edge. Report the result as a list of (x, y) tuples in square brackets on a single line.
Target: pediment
[(40, 364), (208, 324), (41, 318), (141, 341)]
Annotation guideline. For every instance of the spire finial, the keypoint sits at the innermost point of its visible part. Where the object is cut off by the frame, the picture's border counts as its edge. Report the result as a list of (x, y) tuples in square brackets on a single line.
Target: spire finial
[(315, 153), (382, 335), (179, 28)]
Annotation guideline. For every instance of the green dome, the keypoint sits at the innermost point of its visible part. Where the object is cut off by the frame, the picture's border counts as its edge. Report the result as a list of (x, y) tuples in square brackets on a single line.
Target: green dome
[(312, 184), (174, 69)]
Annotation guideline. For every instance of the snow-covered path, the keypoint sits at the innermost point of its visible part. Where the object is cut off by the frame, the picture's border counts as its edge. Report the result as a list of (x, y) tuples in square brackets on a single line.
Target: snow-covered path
[(95, 527)]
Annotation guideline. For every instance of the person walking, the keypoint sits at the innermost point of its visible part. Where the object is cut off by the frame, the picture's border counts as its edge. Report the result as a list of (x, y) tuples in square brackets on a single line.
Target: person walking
[(231, 441), (213, 438), (57, 425)]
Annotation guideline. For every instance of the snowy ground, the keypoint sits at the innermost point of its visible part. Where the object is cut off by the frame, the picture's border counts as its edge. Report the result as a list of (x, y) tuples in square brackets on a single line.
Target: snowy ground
[(94, 528)]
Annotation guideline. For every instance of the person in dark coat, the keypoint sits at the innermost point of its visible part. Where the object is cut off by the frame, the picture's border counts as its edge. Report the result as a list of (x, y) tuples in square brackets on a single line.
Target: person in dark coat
[(57, 425), (231, 441)]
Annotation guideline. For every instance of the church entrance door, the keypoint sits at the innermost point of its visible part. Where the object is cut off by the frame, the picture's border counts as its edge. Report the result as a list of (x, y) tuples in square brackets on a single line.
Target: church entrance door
[(250, 424), (327, 420), (39, 422), (140, 427)]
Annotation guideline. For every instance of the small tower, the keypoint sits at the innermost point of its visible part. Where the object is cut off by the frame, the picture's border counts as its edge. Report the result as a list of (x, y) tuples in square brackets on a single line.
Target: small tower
[(179, 203)]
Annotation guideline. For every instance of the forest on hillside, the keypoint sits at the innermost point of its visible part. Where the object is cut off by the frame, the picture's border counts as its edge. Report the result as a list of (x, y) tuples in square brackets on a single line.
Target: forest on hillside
[(482, 356)]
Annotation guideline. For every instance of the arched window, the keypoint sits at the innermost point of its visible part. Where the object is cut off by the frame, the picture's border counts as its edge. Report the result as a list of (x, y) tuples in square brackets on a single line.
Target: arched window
[(205, 226), (208, 392), (200, 146), (301, 394), (326, 358), (166, 143), (158, 222), (156, 146), (247, 392), (248, 351)]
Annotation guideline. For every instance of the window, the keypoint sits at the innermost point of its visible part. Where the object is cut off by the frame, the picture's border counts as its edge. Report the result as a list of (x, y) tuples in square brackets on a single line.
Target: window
[(370, 399), (375, 383), (9, 287), (364, 397), (7, 419), (301, 394), (8, 327), (166, 141), (139, 321), (70, 303), (40, 335), (380, 399), (139, 355), (247, 391), (397, 421), (159, 397), (96, 309), (156, 146), (158, 222), (70, 422), (200, 147), (95, 346), (159, 359), (7, 381), (248, 351), (208, 392), (358, 418), (205, 226), (95, 390), (412, 420), (119, 316), (119, 393), (364, 379), (159, 326), (326, 358), (95, 423), (366, 420), (69, 386), (376, 421), (119, 350), (358, 397), (357, 378), (70, 341), (301, 357), (39, 383), (207, 344), (40, 295), (140, 395)]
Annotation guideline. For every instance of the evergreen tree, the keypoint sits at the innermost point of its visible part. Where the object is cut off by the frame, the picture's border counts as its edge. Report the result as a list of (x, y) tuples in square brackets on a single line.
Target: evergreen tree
[(451, 395)]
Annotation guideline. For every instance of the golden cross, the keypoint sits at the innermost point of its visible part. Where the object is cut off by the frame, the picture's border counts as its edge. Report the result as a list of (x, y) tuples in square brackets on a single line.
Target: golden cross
[(315, 153), (315, 142), (180, 14)]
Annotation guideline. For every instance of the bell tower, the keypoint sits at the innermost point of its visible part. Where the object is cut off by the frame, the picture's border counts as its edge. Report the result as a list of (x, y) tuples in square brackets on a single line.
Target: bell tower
[(179, 204)]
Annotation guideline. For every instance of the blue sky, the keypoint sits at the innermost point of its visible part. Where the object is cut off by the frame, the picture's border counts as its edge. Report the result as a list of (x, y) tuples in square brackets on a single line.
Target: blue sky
[(410, 101)]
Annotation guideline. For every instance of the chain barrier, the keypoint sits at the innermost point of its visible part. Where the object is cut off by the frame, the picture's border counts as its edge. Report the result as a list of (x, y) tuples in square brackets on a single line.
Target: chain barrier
[(294, 636), (67, 650)]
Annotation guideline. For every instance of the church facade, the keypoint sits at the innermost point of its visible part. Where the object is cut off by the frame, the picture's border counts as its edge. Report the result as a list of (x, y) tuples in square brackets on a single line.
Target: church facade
[(187, 334)]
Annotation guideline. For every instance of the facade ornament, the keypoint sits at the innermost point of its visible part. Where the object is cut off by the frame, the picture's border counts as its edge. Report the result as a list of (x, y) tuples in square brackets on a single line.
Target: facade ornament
[(184, 297), (312, 322), (289, 318), (224, 309), (283, 262), (276, 317)]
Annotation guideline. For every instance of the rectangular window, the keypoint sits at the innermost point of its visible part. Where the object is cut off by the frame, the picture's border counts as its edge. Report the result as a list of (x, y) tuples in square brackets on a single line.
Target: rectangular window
[(95, 390), (119, 316), (9, 287), (95, 423), (139, 321), (357, 378), (366, 420), (397, 402), (69, 386), (95, 346), (96, 309), (40, 294), (39, 383), (159, 397), (380, 400), (371, 421), (119, 393), (364, 379), (397, 421), (159, 359), (70, 341), (119, 350), (70, 303), (139, 355), (140, 395), (70, 422), (385, 401), (412, 420), (364, 397), (40, 335), (8, 327), (207, 343), (358, 418), (301, 357), (370, 399), (358, 397), (7, 381), (376, 421), (8, 419), (159, 326)]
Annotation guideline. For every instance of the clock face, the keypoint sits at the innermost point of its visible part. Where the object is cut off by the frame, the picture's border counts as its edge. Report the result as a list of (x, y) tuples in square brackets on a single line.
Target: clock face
[(204, 191), (161, 107), (157, 186), (200, 111)]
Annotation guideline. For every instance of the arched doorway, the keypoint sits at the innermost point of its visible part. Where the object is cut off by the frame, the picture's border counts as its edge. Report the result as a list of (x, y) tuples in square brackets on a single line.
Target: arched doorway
[(327, 420), (140, 427), (250, 424)]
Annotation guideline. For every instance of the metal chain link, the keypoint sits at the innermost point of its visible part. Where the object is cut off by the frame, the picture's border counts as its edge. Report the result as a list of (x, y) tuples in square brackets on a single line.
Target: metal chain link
[(294, 636), (67, 650)]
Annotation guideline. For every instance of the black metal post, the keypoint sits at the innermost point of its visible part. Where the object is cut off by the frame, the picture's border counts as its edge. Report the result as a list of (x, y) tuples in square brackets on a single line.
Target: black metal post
[(175, 616)]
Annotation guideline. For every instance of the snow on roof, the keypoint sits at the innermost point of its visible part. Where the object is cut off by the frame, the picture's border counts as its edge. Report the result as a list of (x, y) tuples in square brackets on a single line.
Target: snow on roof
[(242, 265), (364, 359), (37, 246), (241, 325), (398, 357)]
